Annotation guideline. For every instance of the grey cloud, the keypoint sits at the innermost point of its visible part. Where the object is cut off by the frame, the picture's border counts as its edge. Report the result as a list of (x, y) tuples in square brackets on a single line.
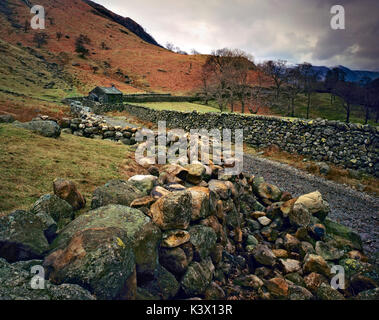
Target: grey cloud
[(296, 30)]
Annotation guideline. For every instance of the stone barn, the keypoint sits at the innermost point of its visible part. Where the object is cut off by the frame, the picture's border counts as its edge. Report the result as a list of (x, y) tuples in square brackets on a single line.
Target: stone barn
[(106, 95)]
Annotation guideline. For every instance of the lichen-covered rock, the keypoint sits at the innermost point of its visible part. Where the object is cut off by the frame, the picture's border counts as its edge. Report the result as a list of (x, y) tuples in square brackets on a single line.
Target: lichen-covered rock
[(327, 251), (315, 263), (200, 203), (60, 210), (220, 188), (339, 230), (197, 277), (6, 118), (174, 238), (44, 128), (299, 215), (299, 293), (267, 192), (196, 172), (100, 259), (326, 292), (174, 260), (22, 236), (145, 183), (164, 285), (278, 287), (214, 292), (116, 192), (172, 211), (142, 234), (203, 240), (314, 203), (290, 265), (15, 284), (68, 191)]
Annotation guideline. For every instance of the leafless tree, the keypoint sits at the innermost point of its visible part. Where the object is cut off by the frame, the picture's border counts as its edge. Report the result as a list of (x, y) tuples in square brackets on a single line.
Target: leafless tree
[(276, 70), (40, 39), (59, 35)]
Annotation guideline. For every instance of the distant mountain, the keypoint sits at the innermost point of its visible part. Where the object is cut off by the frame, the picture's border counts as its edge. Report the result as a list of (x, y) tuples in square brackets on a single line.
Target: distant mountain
[(355, 76), (125, 22)]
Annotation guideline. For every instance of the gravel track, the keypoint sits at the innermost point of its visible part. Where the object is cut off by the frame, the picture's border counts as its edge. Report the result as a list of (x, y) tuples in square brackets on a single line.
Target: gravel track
[(352, 208)]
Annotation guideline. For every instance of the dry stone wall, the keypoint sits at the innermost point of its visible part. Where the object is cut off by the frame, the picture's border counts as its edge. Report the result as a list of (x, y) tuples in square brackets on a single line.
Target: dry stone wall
[(350, 145)]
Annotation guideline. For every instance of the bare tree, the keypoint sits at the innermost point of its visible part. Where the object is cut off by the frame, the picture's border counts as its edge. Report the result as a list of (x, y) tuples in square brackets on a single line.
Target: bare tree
[(276, 70), (293, 88), (40, 39), (170, 46), (59, 35)]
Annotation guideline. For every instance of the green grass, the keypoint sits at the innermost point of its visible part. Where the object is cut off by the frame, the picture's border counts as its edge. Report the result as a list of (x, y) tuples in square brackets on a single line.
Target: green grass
[(30, 163), (322, 108), (177, 106)]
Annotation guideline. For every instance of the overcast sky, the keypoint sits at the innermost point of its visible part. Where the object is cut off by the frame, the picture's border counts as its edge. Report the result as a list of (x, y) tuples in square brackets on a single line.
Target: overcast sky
[(294, 30)]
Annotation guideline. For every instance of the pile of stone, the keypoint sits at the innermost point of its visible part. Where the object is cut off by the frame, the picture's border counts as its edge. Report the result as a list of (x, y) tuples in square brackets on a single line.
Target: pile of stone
[(185, 232), (93, 126)]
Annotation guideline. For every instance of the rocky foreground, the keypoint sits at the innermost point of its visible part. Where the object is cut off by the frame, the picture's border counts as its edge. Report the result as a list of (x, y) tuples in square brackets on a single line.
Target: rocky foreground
[(182, 232)]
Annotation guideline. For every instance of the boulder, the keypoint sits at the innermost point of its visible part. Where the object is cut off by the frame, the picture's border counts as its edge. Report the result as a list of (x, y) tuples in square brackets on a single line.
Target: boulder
[(220, 188), (163, 286), (196, 173), (59, 209), (174, 238), (172, 211), (116, 192), (6, 118), (203, 240), (328, 252), (200, 203), (141, 233), (265, 191), (44, 128), (326, 292), (339, 230), (197, 277), (22, 236), (15, 284), (315, 263), (174, 260), (145, 183), (68, 191), (315, 205), (100, 259)]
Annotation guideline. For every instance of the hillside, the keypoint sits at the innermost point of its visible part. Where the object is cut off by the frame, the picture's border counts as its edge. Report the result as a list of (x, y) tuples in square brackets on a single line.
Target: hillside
[(125, 59)]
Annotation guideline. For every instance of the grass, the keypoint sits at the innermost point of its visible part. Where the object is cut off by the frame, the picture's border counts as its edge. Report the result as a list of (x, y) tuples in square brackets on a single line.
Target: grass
[(30, 163), (322, 108), (177, 106)]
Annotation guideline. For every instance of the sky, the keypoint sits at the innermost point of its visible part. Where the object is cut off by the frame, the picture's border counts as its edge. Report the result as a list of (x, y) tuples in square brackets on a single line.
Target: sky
[(293, 30)]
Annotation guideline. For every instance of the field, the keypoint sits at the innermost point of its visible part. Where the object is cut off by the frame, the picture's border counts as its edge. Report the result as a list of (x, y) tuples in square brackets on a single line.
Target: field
[(178, 106), (30, 163), (322, 108)]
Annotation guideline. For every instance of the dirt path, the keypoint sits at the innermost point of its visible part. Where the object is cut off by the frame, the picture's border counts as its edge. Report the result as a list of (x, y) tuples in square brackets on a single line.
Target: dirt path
[(357, 210)]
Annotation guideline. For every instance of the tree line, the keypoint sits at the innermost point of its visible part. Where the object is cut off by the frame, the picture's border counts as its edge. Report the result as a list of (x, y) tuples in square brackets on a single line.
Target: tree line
[(231, 77)]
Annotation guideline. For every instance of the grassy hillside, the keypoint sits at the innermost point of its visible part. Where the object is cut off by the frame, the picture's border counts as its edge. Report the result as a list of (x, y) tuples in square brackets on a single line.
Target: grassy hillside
[(125, 54), (30, 163), (321, 107)]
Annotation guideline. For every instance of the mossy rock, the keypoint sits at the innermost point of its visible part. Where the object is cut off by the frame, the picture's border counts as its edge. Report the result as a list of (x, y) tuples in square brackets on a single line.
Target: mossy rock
[(344, 232), (143, 235), (22, 236)]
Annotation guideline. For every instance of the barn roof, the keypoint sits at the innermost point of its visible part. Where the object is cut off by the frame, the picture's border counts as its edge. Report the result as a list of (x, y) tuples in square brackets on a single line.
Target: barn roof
[(109, 90)]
